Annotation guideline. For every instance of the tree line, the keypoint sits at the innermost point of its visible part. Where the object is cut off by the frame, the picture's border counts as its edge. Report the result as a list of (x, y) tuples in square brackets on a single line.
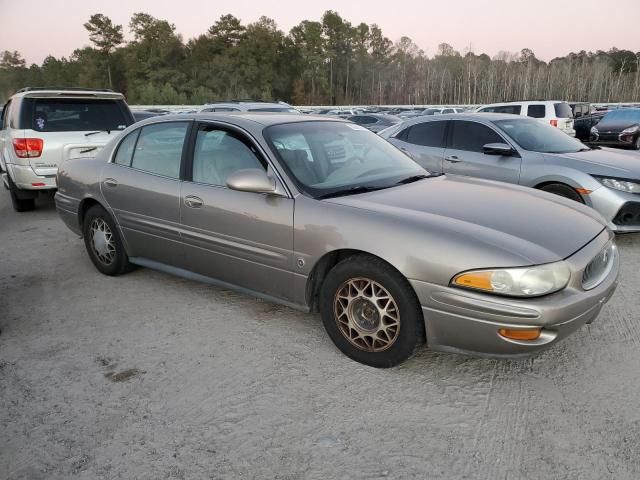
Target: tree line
[(326, 62)]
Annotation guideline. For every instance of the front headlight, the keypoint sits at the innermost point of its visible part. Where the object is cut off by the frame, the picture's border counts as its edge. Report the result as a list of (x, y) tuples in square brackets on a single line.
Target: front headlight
[(620, 184), (516, 282), (630, 130)]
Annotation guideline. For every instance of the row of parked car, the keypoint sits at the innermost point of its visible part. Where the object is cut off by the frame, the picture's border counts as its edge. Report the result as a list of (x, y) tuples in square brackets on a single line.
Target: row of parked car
[(396, 239)]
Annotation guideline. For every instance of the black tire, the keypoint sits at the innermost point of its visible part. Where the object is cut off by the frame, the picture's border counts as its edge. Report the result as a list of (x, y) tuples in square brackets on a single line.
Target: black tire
[(564, 191), (115, 260), (402, 342), (20, 204), (636, 145)]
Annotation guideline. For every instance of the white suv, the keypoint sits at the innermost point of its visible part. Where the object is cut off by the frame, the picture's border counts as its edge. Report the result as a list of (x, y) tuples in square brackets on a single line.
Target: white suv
[(554, 112), (42, 127)]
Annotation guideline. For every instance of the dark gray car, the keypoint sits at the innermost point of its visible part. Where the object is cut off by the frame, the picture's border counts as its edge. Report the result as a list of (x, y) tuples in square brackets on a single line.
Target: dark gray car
[(375, 122), (323, 215), (515, 149)]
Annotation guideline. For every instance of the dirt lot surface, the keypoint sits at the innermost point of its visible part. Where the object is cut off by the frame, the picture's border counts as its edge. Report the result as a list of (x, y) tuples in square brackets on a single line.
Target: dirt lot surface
[(147, 376)]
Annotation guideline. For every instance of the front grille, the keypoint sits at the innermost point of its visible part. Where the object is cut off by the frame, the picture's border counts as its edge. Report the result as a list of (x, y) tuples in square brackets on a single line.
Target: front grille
[(599, 267)]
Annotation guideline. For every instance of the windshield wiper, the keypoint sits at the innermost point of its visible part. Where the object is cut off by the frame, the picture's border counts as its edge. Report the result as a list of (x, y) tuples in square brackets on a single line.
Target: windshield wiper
[(415, 178), (351, 191), (100, 131)]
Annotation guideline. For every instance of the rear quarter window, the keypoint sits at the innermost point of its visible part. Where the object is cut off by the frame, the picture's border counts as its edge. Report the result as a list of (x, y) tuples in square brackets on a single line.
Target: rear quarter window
[(563, 110), (537, 110)]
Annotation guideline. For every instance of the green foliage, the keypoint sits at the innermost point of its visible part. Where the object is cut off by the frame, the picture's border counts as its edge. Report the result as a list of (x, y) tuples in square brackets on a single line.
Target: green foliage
[(329, 61)]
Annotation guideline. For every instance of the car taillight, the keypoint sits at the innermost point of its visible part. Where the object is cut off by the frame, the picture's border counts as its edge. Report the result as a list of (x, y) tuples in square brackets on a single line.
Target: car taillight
[(554, 123), (28, 147)]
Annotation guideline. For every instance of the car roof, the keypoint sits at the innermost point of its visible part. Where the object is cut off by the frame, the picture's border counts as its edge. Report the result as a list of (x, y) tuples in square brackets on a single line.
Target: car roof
[(50, 92), (523, 102), (482, 116), (243, 119), (247, 104)]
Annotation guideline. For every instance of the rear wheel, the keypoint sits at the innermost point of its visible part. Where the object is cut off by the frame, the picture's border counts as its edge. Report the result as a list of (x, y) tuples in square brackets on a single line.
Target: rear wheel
[(563, 190), (370, 311), (103, 242), (21, 201)]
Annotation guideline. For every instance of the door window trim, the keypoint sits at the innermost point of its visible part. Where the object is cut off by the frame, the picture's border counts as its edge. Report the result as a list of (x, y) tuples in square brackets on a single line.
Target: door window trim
[(405, 132), (183, 158), (449, 135), (245, 137)]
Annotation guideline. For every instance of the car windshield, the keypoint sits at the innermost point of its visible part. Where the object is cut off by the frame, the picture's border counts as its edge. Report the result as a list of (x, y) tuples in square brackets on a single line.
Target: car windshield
[(335, 158), (431, 111), (535, 136), (622, 115)]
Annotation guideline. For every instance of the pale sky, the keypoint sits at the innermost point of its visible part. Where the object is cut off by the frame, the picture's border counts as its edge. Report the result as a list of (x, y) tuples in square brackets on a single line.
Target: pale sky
[(550, 28)]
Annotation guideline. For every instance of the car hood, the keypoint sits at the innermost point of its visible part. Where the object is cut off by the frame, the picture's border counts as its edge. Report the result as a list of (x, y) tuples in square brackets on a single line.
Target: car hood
[(615, 126), (531, 226), (603, 161)]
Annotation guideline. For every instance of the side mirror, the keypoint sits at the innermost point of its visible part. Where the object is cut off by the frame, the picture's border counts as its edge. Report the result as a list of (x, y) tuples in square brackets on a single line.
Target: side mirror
[(498, 149), (251, 180)]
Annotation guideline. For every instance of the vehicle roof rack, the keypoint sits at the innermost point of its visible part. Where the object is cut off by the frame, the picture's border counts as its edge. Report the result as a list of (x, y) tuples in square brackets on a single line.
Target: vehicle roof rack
[(74, 89)]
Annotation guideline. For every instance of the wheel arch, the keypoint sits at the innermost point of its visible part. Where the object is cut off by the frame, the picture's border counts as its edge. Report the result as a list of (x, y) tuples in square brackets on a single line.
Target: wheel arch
[(324, 265), (84, 205)]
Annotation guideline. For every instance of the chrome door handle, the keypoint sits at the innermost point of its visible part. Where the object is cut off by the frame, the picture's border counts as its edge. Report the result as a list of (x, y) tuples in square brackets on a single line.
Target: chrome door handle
[(192, 201), (453, 159), (110, 182)]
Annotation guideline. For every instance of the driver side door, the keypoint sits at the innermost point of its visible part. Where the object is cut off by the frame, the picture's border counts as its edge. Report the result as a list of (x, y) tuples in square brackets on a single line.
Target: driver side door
[(464, 154)]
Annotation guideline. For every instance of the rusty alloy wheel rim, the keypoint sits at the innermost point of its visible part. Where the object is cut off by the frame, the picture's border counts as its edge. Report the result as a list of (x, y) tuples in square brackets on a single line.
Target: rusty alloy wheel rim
[(101, 240), (366, 314)]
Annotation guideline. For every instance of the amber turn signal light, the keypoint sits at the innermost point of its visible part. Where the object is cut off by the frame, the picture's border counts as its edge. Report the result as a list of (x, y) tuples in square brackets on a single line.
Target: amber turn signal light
[(526, 334)]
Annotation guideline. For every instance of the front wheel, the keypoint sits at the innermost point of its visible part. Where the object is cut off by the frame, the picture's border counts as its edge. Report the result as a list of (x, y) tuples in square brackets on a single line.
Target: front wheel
[(636, 145), (103, 242), (371, 312)]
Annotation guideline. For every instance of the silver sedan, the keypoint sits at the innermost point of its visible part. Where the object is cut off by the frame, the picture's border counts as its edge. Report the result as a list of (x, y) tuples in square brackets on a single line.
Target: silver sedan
[(323, 215), (513, 149)]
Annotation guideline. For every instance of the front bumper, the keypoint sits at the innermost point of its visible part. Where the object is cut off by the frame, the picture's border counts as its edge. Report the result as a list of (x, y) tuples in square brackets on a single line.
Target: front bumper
[(620, 209), (25, 178), (463, 321)]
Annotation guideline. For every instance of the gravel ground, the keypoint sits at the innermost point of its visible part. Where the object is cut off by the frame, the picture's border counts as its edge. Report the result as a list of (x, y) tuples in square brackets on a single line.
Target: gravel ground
[(149, 376)]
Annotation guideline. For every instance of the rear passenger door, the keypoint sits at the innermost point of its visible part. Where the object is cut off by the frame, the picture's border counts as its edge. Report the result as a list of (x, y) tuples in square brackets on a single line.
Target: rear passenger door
[(241, 238), (142, 186), (424, 142), (464, 154)]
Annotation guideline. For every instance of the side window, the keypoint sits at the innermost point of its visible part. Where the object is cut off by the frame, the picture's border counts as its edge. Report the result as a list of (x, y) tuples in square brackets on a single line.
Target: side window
[(512, 109), (472, 136), (218, 154), (159, 148), (225, 109), (448, 110), (5, 115), (428, 134), (537, 110), (125, 149)]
